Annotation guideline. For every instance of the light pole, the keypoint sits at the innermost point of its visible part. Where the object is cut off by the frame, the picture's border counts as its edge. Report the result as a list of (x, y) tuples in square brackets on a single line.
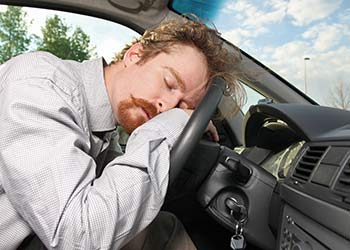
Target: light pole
[(305, 79)]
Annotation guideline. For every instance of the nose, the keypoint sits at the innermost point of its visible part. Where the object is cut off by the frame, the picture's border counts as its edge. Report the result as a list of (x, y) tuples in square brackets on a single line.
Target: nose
[(166, 103)]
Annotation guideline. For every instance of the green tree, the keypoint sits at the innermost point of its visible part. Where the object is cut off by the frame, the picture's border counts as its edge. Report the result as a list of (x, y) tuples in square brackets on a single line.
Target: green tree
[(58, 41), (14, 38)]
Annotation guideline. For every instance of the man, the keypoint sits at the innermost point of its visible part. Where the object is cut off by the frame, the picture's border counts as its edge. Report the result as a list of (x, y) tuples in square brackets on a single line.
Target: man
[(57, 118)]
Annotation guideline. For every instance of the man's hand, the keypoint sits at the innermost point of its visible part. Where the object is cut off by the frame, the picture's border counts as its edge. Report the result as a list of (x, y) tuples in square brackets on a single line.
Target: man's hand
[(211, 130)]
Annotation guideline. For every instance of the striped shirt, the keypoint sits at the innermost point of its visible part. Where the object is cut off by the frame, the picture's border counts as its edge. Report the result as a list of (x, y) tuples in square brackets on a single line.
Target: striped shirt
[(50, 113)]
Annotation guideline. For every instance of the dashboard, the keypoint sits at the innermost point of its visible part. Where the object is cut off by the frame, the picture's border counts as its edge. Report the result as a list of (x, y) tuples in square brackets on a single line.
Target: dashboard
[(293, 178), (313, 171), (316, 196)]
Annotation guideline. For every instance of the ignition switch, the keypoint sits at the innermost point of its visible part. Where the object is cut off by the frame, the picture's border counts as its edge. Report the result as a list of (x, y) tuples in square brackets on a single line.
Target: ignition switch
[(237, 210)]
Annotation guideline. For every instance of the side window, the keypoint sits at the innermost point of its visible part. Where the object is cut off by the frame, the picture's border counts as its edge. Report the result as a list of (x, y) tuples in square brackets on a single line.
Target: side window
[(253, 97), (67, 35)]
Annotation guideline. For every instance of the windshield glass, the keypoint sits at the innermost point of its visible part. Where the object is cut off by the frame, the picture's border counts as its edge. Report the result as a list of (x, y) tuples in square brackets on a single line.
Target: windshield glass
[(307, 42)]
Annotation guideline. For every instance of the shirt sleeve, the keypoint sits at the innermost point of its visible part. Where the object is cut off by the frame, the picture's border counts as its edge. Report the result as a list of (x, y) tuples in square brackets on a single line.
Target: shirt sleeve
[(49, 177)]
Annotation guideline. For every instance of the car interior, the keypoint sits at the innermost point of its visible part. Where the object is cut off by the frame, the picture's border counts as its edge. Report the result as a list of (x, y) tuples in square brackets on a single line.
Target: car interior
[(280, 174)]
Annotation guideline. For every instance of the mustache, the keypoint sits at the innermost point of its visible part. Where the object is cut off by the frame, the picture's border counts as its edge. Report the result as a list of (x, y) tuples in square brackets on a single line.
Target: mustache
[(150, 109)]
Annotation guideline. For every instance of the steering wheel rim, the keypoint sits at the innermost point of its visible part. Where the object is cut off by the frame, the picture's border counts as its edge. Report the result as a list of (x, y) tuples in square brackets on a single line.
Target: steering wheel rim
[(195, 128)]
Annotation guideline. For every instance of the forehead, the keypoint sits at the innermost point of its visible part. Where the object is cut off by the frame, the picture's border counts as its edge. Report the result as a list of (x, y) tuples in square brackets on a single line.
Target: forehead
[(190, 67), (195, 96)]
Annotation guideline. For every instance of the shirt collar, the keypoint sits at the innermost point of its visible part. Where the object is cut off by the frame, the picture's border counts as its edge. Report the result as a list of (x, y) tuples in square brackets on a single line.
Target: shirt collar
[(99, 110)]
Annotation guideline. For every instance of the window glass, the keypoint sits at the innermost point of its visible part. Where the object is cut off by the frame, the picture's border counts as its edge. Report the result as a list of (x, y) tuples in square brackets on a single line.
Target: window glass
[(253, 97), (69, 36), (305, 42)]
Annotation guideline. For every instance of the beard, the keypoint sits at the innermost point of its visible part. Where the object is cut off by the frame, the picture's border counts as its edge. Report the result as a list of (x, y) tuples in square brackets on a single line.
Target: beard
[(130, 120)]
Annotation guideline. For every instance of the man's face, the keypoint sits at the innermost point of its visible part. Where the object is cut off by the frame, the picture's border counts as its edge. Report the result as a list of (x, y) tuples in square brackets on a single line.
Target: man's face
[(177, 79)]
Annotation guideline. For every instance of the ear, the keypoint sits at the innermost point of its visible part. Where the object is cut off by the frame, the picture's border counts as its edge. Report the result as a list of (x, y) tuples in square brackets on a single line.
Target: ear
[(133, 54)]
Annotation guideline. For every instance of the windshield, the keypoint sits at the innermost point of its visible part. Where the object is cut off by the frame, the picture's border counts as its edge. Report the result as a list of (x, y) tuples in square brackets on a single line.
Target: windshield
[(307, 42)]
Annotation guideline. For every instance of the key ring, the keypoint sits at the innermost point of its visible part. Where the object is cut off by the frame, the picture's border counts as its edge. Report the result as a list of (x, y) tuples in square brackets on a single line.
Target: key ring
[(238, 229)]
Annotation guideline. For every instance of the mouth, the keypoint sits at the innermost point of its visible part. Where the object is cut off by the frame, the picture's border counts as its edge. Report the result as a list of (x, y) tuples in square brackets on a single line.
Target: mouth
[(148, 116)]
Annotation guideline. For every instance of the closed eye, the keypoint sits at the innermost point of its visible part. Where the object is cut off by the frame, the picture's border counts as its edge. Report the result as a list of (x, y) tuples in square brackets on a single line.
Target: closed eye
[(175, 81), (170, 85)]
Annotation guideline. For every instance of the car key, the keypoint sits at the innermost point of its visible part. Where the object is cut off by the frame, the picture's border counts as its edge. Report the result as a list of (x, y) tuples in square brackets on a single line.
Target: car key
[(237, 240)]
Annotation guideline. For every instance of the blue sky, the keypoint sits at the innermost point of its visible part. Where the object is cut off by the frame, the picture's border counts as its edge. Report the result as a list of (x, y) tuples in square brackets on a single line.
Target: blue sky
[(282, 33), (279, 33)]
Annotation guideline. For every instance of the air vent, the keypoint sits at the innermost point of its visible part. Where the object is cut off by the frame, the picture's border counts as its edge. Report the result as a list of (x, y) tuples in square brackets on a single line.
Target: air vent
[(308, 162), (343, 182)]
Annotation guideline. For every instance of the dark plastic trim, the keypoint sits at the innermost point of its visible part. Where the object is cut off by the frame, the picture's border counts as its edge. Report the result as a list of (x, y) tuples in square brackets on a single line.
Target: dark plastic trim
[(328, 215)]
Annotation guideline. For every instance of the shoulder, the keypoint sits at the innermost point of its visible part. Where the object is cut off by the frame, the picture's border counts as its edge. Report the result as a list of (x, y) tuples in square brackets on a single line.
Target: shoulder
[(39, 66), (30, 65), (42, 72), (34, 60)]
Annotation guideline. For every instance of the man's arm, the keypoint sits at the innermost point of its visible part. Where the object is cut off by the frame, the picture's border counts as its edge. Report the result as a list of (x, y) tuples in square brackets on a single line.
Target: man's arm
[(49, 177)]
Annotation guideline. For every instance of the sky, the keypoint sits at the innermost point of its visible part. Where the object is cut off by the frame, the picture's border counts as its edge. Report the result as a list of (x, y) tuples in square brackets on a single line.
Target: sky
[(279, 33)]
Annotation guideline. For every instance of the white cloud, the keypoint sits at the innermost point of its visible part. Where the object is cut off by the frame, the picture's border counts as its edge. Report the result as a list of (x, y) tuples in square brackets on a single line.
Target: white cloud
[(325, 36), (258, 18), (326, 70), (287, 60), (242, 37), (344, 16), (304, 12), (229, 7), (277, 4), (328, 63), (322, 43), (236, 36), (323, 69), (253, 20), (253, 17), (285, 51)]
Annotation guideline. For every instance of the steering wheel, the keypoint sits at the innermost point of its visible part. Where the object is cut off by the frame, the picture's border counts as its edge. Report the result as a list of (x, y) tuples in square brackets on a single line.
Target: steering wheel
[(195, 128)]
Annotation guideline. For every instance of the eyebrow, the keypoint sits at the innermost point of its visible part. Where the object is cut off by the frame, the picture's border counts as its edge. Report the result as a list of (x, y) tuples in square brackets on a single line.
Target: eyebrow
[(180, 81)]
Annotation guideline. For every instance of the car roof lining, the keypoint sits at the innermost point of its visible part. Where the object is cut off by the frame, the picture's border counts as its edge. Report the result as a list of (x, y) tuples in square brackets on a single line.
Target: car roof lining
[(125, 13)]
